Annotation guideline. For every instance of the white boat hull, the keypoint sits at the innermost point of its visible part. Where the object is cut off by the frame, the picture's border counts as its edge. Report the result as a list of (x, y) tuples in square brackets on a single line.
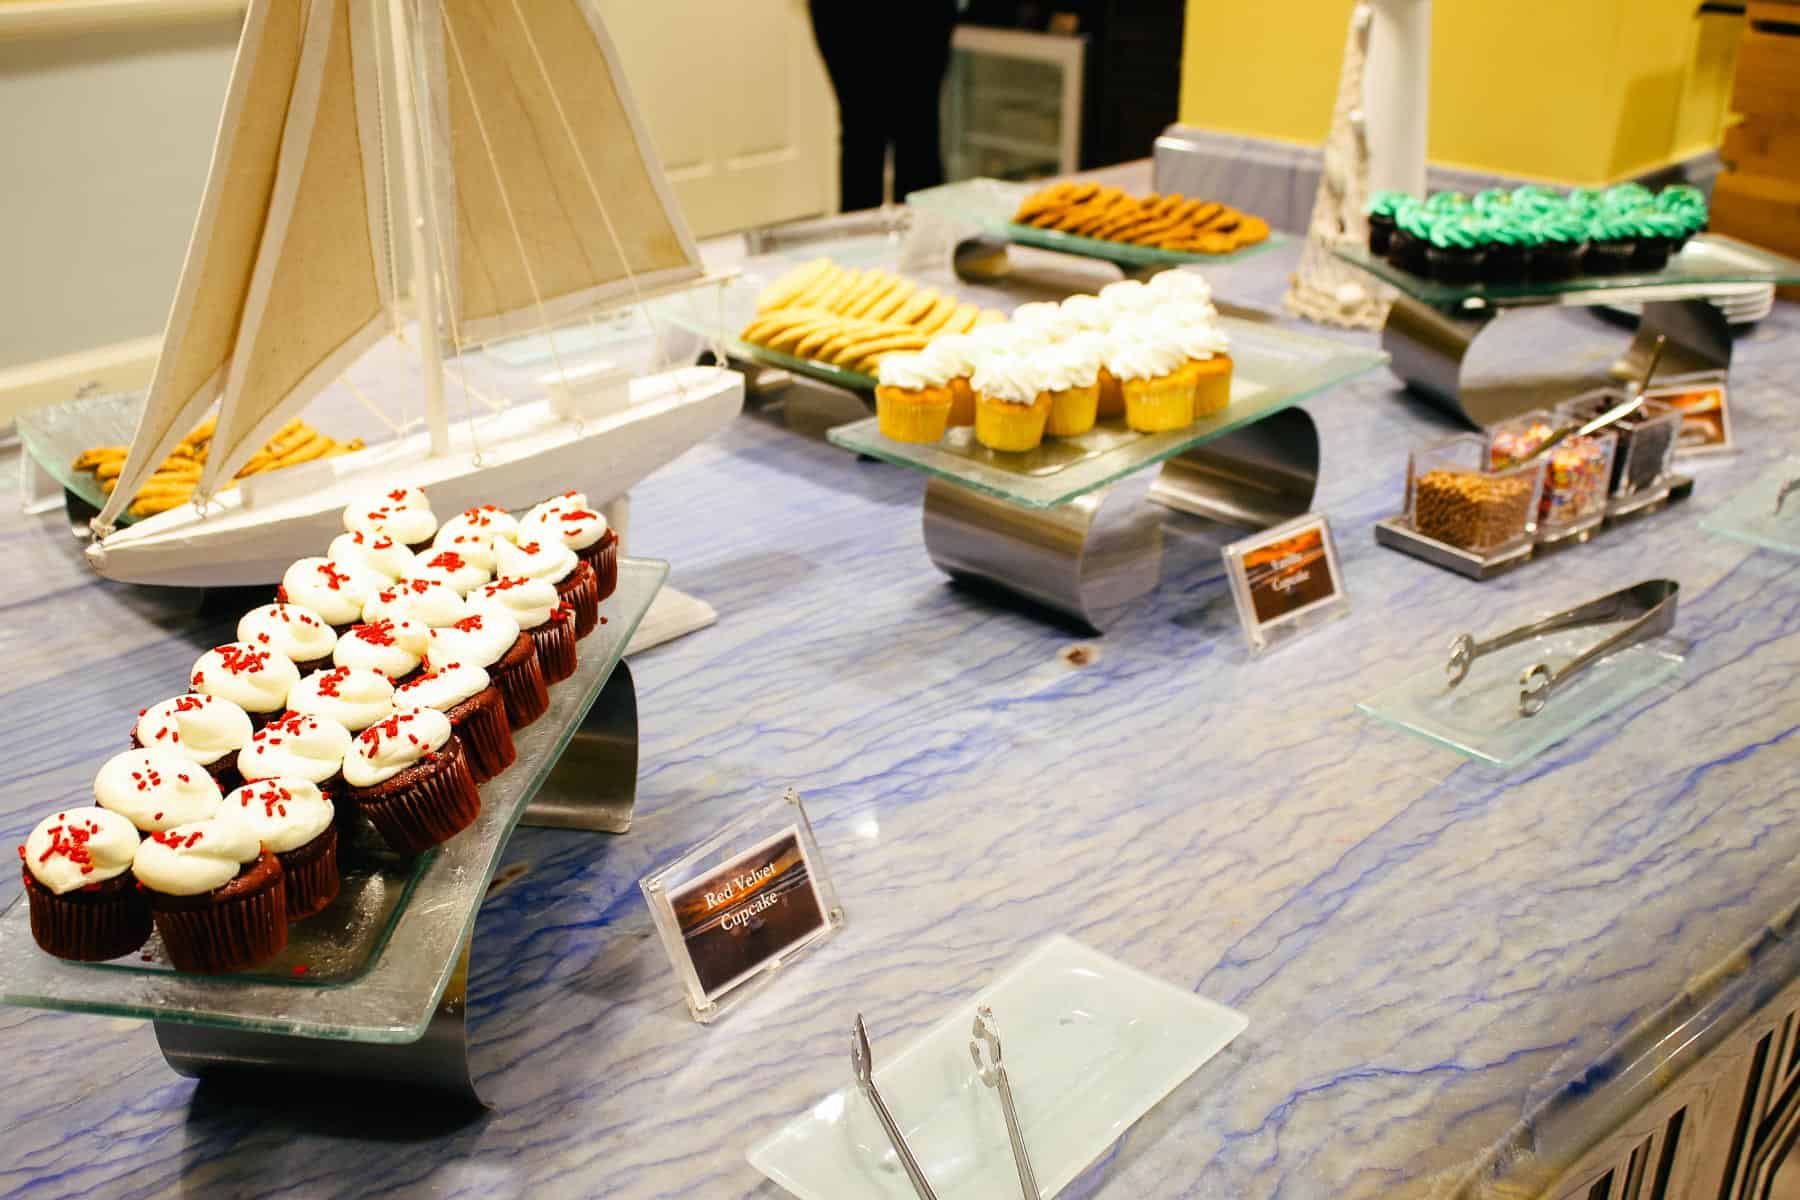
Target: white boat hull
[(250, 534)]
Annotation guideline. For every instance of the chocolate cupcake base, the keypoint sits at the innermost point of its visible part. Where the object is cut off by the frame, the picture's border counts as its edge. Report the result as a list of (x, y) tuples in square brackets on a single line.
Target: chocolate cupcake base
[(603, 556), (92, 924), (310, 875), (580, 590), (521, 683), (229, 928), (555, 644), (223, 769), (480, 724), (427, 804)]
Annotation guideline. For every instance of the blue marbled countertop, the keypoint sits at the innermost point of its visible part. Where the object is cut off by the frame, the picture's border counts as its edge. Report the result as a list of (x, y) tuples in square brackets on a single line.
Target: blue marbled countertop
[(1426, 948)]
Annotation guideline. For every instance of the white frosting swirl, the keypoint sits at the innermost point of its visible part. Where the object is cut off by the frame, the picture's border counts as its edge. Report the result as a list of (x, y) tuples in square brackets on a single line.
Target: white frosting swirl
[(255, 679), (911, 372), (1138, 349), (383, 751), (392, 646), (478, 640), (354, 697), (1004, 338), (195, 858), (201, 728), (953, 355), (529, 602), (1039, 314), (1128, 296), (1182, 287), (375, 553), (1009, 377), (472, 544), (576, 526), (154, 789), (79, 847), (486, 521), (456, 571), (1074, 363), (1087, 313), (443, 689), (283, 814), (335, 590), (404, 514), (539, 559), (1195, 339), (293, 631), (297, 746), (425, 601), (568, 499)]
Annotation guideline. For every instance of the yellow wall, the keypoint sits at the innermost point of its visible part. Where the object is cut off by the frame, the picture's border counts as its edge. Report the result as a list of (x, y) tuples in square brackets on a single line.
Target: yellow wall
[(1569, 91)]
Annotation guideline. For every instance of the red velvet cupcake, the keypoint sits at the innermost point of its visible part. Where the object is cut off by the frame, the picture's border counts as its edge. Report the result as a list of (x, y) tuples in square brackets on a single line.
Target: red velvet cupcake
[(293, 631), (255, 679), (582, 530), (85, 902), (476, 710), (392, 647), (208, 731), (335, 591), (295, 821), (402, 513), (410, 777), (493, 641), (218, 898), (554, 563), (534, 605)]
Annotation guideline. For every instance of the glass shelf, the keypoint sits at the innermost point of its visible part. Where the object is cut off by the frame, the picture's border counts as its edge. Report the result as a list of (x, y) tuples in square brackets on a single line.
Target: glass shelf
[(1750, 515), (1480, 718), (990, 203), (1710, 258), (372, 967), (812, 368), (1274, 369)]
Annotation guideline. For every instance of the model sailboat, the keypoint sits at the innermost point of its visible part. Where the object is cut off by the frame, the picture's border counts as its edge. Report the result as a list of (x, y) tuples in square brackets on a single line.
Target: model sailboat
[(528, 194)]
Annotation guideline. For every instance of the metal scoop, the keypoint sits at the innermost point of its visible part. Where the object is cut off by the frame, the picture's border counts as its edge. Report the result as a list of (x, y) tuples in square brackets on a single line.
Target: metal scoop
[(1617, 412), (864, 1065), (1651, 603)]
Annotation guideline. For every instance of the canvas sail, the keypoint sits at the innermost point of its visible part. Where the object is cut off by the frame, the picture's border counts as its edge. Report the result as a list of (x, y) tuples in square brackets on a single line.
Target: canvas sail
[(317, 297), (550, 198), (215, 278)]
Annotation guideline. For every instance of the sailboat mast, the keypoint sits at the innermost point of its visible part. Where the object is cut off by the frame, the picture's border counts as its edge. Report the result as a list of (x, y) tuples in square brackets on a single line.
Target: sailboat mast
[(424, 278)]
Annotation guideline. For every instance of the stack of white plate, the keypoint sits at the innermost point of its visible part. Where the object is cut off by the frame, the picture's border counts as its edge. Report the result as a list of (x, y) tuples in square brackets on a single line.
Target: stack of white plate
[(1742, 303)]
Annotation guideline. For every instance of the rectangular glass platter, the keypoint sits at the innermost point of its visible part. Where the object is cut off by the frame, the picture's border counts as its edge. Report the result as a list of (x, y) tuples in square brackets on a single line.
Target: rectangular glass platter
[(1090, 1046), (377, 961), (1480, 717), (55, 435), (990, 203), (1709, 258), (1750, 515), (1273, 369)]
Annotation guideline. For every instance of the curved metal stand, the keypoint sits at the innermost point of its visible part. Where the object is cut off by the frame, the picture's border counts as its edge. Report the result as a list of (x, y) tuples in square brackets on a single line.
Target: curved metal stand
[(1256, 478), (1433, 349), (594, 784)]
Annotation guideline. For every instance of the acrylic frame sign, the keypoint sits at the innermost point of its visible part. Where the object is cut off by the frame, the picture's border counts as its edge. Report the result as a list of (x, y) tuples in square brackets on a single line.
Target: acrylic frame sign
[(1285, 580), (1704, 402), (742, 904)]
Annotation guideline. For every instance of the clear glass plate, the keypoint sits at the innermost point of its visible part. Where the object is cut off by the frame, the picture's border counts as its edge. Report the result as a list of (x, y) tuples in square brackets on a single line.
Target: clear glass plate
[(371, 967), (990, 203), (1480, 718), (1750, 515), (1090, 1046), (54, 436), (1706, 259), (1273, 369)]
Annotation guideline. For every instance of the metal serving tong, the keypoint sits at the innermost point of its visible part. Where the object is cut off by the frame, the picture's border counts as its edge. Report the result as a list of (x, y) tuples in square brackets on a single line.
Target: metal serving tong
[(864, 1064), (1617, 412), (1784, 491), (992, 1071), (1650, 606)]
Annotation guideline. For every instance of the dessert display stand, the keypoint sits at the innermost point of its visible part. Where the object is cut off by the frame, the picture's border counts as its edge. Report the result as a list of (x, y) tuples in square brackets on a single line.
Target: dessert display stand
[(1433, 329), (374, 988)]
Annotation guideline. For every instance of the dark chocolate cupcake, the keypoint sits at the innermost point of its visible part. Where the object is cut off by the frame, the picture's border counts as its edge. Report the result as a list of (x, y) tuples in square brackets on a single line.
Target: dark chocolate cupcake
[(1456, 253), (409, 775), (218, 898), (85, 904), (1381, 211), (1561, 241), (295, 820), (493, 641), (1612, 244), (1508, 245), (207, 730), (476, 710), (1407, 246), (537, 609)]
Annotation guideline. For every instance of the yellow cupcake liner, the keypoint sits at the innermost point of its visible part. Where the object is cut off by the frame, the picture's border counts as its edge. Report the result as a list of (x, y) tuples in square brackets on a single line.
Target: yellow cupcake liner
[(1072, 411), (1212, 384), (1001, 425), (1160, 404), (1112, 395), (912, 416), (962, 403)]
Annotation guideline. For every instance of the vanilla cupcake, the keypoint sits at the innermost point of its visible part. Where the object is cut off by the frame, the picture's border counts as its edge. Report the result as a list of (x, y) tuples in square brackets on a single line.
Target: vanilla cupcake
[(404, 514), (85, 904), (1182, 287), (1158, 396), (155, 789), (1011, 404), (1071, 371), (255, 679), (296, 746), (294, 820), (424, 601), (354, 697), (1208, 364), (392, 647), (1085, 314), (208, 731), (912, 398), (376, 553), (292, 631), (954, 356), (1128, 298), (335, 590)]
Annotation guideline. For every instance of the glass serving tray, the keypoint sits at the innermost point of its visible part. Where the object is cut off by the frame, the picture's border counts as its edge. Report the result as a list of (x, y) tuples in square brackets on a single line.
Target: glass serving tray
[(1750, 515), (990, 204), (1090, 1046), (372, 967), (1273, 369), (1481, 718), (1710, 258), (54, 435)]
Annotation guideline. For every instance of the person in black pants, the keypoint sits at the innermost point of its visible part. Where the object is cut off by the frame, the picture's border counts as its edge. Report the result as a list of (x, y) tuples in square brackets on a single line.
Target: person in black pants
[(887, 73)]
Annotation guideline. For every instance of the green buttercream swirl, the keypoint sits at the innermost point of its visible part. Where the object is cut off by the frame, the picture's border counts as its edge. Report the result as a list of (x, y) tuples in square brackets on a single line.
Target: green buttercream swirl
[(1455, 232), (1625, 197), (1562, 228), (1447, 202), (1386, 204), (1606, 226)]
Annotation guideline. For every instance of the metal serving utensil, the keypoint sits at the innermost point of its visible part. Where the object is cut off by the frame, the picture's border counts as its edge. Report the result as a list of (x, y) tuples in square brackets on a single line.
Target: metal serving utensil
[(864, 1065), (1617, 412), (1650, 606), (992, 1072), (1784, 491)]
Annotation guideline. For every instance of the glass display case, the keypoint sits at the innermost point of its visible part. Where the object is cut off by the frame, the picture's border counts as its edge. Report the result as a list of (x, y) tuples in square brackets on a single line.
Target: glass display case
[(1012, 104)]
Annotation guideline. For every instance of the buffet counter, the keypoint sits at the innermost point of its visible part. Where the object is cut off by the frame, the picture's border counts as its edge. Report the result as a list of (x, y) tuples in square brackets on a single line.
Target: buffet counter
[(1431, 954)]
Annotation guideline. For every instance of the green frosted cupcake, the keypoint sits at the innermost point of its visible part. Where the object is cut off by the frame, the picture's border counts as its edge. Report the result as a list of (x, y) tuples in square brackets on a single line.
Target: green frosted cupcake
[(1456, 250), (1561, 241), (1381, 210), (1612, 243), (1625, 198), (1657, 234), (1508, 244), (1686, 203), (1412, 234)]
